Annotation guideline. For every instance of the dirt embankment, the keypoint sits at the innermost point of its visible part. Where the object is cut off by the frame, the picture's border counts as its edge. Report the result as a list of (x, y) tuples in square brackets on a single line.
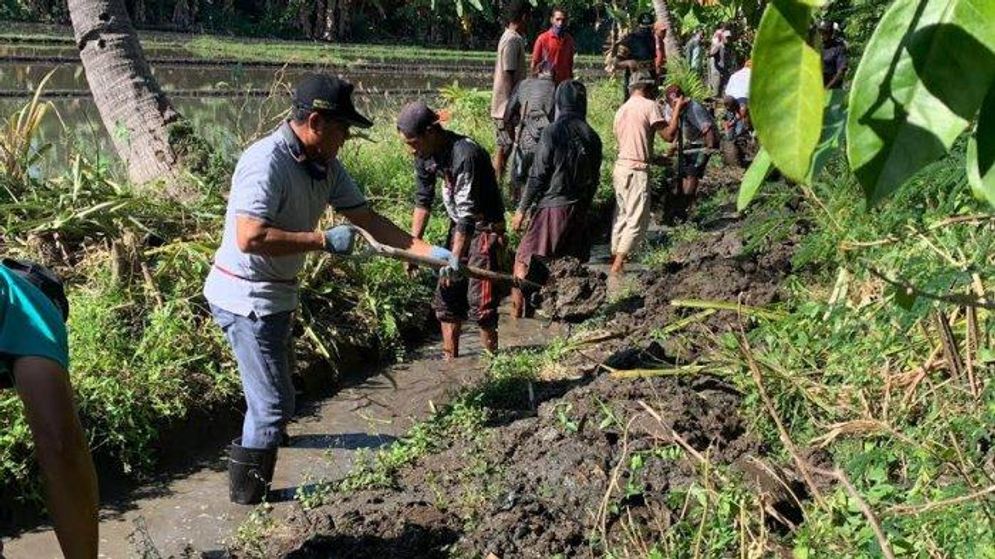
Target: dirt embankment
[(598, 464)]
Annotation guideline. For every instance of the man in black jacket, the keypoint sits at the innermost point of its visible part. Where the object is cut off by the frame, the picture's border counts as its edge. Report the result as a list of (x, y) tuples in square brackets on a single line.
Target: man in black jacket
[(561, 186), (475, 209)]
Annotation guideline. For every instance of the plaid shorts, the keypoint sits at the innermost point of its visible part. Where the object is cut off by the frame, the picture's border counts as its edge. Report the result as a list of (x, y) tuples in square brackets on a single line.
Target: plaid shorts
[(472, 298)]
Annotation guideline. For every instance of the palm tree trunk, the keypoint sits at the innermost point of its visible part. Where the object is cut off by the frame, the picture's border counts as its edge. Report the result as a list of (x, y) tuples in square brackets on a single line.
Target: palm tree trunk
[(133, 108), (671, 45)]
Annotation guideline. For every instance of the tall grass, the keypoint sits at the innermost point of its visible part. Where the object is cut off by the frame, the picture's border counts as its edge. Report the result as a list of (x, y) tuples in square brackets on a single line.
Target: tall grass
[(18, 149)]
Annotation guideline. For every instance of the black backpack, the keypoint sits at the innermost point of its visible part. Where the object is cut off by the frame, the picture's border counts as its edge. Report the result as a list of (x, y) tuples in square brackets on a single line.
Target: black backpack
[(42, 278)]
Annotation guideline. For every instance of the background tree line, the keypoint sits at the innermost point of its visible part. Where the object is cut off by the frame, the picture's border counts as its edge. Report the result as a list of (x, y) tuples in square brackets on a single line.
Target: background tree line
[(442, 23)]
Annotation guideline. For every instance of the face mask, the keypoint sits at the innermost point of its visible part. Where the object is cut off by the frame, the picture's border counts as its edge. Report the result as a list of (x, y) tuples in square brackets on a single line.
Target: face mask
[(558, 29)]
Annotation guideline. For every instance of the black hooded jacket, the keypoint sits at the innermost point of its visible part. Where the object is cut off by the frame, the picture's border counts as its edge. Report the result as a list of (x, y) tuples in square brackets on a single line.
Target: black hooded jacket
[(567, 167)]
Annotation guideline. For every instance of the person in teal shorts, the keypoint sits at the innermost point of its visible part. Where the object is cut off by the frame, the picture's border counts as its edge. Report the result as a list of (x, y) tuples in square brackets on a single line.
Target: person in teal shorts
[(34, 359)]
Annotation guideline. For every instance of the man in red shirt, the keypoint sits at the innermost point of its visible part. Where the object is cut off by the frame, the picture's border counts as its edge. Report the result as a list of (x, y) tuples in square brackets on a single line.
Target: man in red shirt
[(555, 47)]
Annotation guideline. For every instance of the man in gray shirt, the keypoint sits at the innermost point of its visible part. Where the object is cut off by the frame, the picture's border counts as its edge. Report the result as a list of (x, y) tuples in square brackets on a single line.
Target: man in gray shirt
[(281, 188), (510, 68)]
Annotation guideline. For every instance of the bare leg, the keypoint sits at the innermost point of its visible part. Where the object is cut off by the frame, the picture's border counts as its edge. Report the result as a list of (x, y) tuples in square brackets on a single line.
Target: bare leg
[(489, 339), (517, 297), (618, 263), (450, 340), (500, 162), (63, 454)]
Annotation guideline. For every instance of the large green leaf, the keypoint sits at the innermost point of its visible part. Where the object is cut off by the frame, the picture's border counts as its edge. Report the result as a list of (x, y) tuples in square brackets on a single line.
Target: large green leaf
[(922, 78), (786, 91), (753, 178), (833, 125), (981, 152)]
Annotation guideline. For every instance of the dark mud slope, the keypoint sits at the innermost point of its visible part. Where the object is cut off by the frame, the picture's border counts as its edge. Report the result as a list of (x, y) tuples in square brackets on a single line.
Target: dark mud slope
[(537, 487), (599, 467)]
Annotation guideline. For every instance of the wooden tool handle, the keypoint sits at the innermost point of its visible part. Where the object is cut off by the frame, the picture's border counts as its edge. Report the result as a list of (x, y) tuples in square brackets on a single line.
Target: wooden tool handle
[(437, 263)]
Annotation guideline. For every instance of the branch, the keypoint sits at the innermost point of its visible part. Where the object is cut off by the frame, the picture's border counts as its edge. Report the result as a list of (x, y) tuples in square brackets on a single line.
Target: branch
[(955, 298), (919, 509), (839, 476)]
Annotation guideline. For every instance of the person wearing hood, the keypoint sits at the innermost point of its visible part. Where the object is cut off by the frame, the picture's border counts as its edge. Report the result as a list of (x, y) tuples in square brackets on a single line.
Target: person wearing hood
[(531, 104), (562, 183), (555, 47)]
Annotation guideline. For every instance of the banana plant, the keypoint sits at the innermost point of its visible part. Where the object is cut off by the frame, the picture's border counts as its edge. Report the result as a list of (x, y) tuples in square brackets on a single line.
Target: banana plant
[(927, 75)]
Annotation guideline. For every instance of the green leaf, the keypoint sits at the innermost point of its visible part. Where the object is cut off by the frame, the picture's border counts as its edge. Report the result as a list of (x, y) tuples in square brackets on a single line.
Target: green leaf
[(753, 178), (904, 298), (786, 88), (981, 152), (833, 125), (922, 78)]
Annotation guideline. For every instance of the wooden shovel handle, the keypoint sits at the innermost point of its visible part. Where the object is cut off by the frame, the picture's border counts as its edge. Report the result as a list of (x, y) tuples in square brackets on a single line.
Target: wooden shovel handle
[(437, 263)]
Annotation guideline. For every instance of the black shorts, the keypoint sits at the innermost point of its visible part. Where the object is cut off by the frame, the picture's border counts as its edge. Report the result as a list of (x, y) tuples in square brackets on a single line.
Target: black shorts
[(472, 298), (694, 164)]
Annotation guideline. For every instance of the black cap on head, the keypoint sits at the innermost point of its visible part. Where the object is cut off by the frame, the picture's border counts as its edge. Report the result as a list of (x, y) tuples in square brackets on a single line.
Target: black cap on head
[(415, 118), (329, 95), (646, 19)]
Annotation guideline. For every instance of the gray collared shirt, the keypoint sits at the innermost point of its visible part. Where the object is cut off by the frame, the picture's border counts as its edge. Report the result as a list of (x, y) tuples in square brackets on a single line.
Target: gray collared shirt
[(272, 184)]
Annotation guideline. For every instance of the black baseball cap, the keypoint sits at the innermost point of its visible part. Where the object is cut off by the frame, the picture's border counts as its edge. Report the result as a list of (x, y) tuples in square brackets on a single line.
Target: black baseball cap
[(646, 19), (415, 118), (330, 95)]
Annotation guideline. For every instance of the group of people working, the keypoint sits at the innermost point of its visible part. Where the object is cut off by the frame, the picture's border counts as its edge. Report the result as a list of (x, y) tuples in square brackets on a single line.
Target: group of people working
[(283, 184)]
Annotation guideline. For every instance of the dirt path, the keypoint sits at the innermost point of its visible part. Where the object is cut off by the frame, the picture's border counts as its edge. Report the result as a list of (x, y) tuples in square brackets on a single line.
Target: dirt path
[(192, 509)]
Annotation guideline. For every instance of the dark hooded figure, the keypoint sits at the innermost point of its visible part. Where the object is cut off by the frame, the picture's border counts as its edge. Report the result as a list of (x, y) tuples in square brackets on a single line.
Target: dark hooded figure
[(561, 186)]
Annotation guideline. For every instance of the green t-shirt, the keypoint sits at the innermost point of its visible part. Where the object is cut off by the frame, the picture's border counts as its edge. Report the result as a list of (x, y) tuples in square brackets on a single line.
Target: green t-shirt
[(30, 323)]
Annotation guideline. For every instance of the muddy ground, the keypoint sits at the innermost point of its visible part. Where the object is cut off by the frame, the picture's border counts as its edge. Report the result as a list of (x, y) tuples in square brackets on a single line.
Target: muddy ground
[(561, 480)]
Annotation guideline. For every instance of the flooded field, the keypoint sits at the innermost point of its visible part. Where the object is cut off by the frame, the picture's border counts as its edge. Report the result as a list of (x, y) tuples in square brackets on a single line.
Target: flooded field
[(228, 101)]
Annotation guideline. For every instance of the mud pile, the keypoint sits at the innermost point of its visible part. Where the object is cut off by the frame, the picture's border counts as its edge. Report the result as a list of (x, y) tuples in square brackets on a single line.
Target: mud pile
[(573, 291), (540, 486)]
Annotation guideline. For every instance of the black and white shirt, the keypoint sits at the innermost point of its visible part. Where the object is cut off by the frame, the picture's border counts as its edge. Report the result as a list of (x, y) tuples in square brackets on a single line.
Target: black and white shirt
[(470, 191)]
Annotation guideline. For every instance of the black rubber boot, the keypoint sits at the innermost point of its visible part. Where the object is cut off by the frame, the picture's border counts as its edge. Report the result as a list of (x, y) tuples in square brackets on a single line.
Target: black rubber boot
[(250, 471)]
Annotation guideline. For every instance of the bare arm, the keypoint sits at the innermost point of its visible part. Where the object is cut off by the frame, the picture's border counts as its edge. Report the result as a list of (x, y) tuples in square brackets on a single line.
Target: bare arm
[(711, 138), (669, 132), (256, 237), (460, 244), (63, 454), (419, 220), (386, 232)]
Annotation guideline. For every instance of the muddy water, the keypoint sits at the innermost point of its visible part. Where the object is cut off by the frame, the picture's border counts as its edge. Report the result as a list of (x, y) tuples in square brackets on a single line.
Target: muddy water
[(188, 506)]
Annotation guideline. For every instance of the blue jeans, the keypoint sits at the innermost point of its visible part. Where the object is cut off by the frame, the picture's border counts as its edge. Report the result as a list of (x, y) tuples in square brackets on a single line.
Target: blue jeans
[(264, 350)]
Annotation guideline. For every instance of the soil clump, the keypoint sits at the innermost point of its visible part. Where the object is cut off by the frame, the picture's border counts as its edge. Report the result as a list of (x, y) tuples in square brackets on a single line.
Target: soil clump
[(573, 291)]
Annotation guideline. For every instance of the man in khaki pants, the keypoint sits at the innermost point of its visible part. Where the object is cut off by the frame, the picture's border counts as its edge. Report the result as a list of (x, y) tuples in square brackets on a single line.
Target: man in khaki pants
[(635, 124)]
